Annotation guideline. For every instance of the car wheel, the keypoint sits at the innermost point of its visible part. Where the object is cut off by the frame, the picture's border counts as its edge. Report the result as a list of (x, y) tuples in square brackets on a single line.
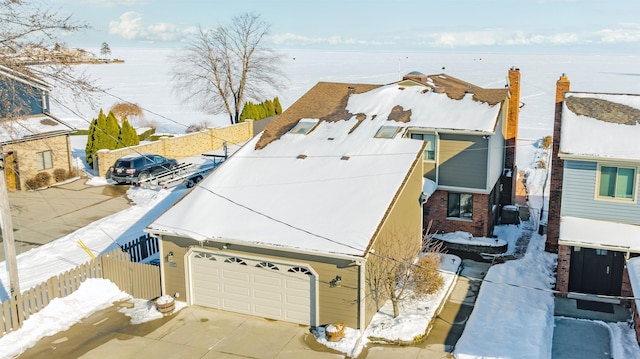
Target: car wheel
[(143, 176), (190, 183)]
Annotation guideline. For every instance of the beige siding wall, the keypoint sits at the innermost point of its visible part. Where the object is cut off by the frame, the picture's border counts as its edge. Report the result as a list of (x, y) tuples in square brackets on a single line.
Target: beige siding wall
[(338, 304), (182, 146), (174, 274), (25, 153), (403, 224)]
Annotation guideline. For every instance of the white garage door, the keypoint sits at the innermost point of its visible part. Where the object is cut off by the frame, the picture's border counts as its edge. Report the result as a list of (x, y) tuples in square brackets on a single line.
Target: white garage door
[(262, 288)]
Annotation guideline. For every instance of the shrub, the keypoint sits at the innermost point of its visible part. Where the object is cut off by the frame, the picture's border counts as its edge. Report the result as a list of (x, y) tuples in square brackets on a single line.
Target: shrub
[(542, 164), (60, 174), (40, 180), (547, 141), (43, 179)]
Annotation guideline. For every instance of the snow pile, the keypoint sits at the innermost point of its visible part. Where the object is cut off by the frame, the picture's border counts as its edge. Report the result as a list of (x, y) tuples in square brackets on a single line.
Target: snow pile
[(415, 316), (623, 341), (509, 233), (461, 237), (513, 317), (144, 311), (61, 313)]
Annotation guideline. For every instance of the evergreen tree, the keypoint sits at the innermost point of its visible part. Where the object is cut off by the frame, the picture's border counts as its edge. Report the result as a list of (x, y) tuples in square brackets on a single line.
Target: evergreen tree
[(277, 106), (105, 50), (90, 147), (112, 132), (269, 108), (128, 136)]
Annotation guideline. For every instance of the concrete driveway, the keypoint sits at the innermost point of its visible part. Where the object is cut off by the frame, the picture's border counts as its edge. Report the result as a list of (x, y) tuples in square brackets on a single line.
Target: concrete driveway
[(193, 332), (580, 339), (41, 216)]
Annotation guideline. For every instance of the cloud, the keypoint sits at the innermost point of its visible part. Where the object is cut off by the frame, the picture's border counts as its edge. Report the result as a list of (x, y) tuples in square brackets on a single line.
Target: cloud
[(626, 34), (130, 26), (293, 39)]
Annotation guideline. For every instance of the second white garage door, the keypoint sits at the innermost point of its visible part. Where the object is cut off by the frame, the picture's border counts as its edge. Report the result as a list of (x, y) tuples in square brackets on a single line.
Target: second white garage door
[(262, 288)]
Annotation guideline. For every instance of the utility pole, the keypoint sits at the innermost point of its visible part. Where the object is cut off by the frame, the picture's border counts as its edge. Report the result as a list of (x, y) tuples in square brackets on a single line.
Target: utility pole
[(7, 238)]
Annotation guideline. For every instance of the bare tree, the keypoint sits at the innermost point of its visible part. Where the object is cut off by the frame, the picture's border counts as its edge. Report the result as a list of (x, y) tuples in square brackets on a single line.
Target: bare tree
[(226, 66), (401, 269), (30, 46)]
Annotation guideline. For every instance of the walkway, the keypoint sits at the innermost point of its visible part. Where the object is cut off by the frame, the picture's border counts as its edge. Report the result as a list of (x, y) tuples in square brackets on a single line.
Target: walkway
[(580, 339)]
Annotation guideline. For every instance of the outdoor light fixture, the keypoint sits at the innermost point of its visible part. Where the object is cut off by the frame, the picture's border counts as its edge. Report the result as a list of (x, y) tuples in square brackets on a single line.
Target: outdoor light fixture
[(170, 257), (335, 282)]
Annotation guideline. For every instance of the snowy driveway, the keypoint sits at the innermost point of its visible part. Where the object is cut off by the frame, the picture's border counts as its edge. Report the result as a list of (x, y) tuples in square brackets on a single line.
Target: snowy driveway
[(580, 339)]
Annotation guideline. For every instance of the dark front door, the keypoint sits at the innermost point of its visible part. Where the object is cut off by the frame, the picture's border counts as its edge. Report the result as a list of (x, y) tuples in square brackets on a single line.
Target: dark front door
[(596, 271)]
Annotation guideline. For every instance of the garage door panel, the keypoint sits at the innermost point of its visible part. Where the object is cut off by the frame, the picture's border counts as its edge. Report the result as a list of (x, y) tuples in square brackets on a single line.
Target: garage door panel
[(266, 295), (261, 279), (268, 311), (270, 290), (236, 305), (235, 274)]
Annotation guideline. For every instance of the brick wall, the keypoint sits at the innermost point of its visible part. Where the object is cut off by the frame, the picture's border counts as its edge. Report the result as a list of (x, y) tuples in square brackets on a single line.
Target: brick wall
[(182, 146), (481, 224), (557, 168), (564, 265)]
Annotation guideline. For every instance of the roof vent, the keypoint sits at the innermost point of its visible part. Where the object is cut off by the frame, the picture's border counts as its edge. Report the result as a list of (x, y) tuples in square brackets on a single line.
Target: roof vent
[(469, 90), (330, 138), (301, 157), (438, 89), (344, 158)]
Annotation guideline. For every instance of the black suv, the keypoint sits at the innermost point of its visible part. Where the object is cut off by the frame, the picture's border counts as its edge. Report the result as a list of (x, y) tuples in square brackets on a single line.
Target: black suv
[(137, 167)]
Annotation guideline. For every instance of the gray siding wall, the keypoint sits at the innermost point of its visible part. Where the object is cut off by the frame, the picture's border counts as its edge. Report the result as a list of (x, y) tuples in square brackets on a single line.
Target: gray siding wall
[(496, 153), (578, 196), (463, 161)]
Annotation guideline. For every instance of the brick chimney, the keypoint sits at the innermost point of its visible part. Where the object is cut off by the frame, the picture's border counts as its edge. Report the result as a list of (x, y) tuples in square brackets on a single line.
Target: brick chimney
[(557, 168), (510, 174), (512, 118)]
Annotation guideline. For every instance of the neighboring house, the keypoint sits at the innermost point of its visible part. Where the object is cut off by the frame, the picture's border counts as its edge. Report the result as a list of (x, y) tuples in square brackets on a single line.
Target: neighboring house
[(594, 209), (32, 140), (287, 227)]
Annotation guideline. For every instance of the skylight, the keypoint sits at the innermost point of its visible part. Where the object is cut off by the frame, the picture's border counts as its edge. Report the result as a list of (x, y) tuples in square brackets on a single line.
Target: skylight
[(303, 127), (387, 132)]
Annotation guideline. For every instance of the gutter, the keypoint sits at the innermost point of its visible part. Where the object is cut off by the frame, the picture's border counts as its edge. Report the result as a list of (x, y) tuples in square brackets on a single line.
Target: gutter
[(358, 260)]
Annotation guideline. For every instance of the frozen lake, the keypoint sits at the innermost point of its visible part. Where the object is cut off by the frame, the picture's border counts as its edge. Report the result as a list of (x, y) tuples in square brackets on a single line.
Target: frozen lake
[(145, 79)]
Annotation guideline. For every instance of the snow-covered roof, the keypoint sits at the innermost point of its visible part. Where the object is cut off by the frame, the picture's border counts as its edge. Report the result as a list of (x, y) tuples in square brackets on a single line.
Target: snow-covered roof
[(304, 191), (596, 233), (601, 125), (32, 127), (326, 186), (415, 105)]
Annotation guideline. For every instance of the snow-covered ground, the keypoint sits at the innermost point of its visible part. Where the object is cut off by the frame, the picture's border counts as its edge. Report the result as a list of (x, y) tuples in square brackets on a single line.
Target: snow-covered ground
[(514, 311)]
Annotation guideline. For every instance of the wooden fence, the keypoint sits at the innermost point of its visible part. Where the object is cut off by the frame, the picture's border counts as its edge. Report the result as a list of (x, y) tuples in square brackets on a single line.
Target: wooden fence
[(141, 247), (137, 279)]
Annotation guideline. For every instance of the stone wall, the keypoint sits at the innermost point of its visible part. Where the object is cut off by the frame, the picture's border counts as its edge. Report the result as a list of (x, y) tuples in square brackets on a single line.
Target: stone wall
[(179, 147)]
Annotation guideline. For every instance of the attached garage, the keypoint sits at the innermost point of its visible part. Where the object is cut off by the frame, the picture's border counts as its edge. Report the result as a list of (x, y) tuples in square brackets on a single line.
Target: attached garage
[(263, 288)]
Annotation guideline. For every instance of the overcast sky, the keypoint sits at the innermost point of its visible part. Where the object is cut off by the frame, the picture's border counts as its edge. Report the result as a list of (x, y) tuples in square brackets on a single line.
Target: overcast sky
[(598, 26)]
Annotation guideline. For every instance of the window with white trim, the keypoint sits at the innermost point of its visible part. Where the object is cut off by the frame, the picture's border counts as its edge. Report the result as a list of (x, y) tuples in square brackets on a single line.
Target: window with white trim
[(616, 182), (430, 148), (44, 160)]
